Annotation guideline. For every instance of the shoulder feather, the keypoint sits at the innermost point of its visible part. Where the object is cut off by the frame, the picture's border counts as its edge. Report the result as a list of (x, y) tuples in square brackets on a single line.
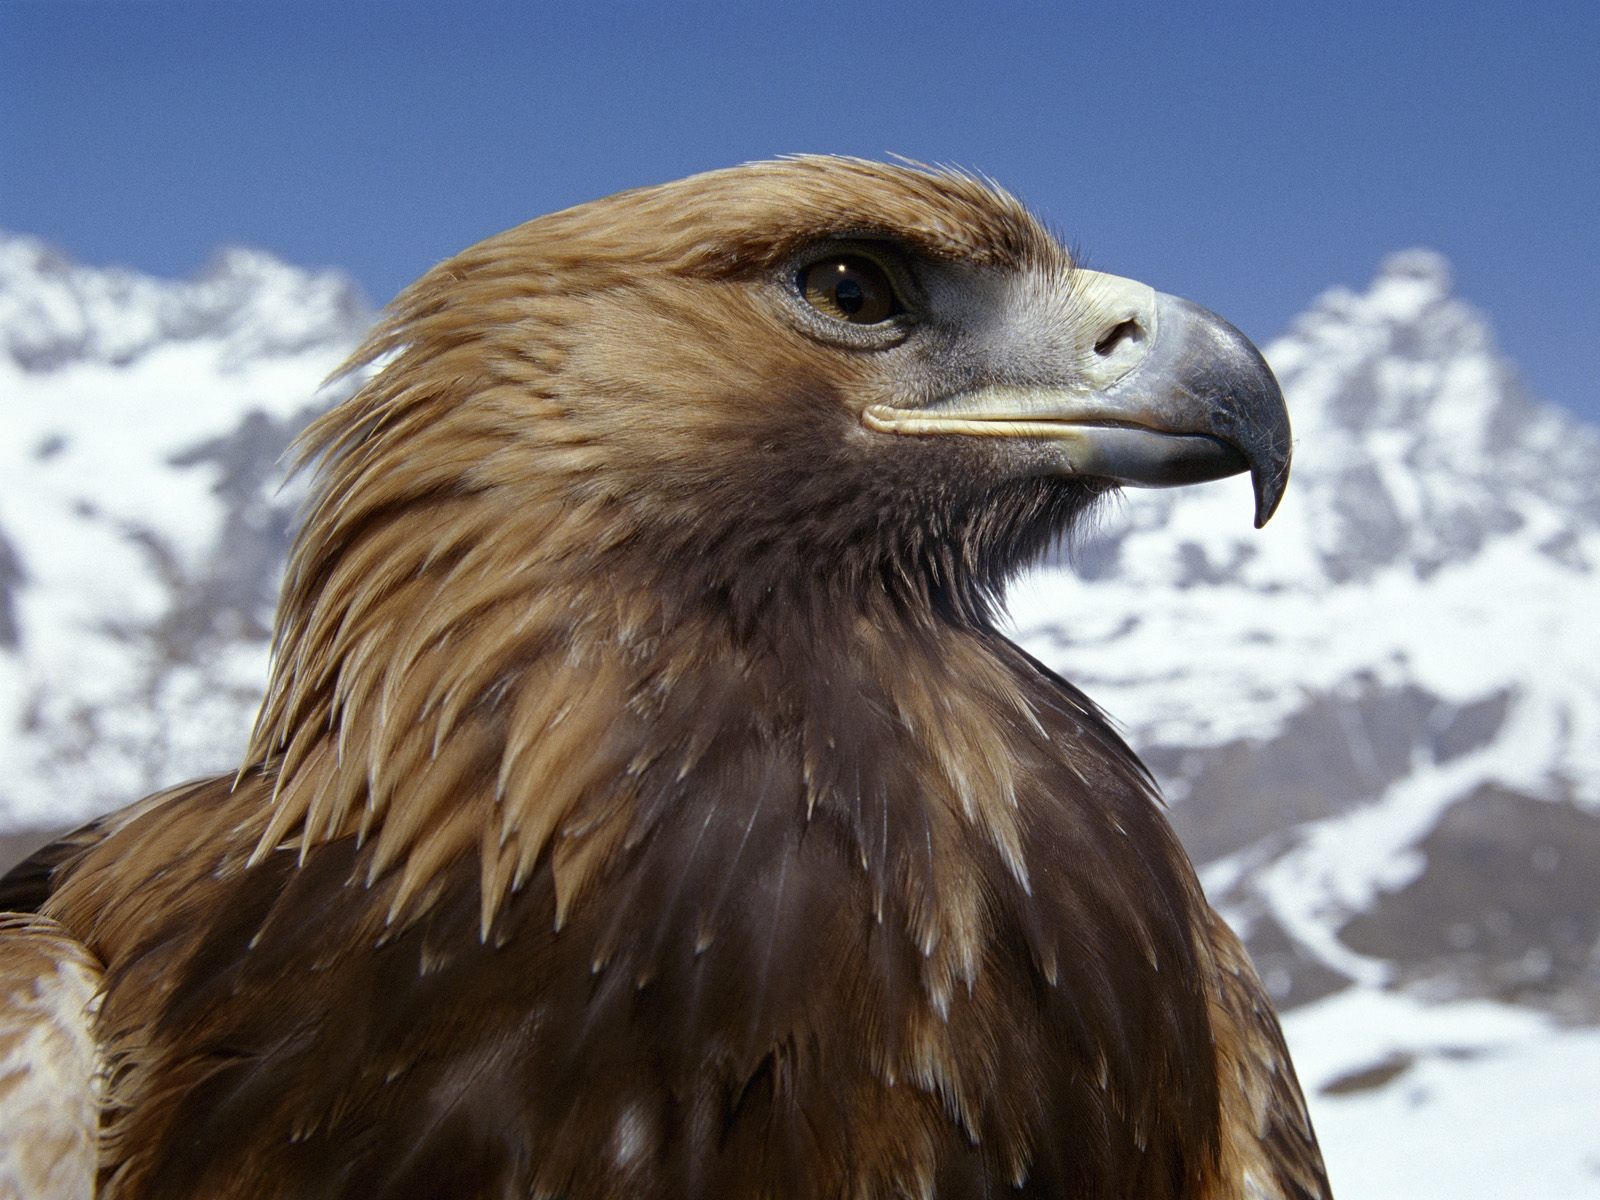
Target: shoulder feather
[(50, 1079), (1270, 1151)]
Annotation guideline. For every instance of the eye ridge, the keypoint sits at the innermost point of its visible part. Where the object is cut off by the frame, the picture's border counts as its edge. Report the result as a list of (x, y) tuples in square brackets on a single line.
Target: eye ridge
[(850, 288)]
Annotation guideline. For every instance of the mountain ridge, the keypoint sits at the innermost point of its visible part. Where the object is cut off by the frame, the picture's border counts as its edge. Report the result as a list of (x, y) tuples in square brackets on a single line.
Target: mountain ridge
[(54, 312)]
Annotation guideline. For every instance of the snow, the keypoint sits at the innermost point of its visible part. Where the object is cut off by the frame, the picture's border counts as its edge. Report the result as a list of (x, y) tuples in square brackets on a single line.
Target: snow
[(1472, 632), (1496, 1103)]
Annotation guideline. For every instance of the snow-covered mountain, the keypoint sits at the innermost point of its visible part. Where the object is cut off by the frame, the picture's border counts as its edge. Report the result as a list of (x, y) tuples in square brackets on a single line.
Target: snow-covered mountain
[(1378, 719), (142, 527)]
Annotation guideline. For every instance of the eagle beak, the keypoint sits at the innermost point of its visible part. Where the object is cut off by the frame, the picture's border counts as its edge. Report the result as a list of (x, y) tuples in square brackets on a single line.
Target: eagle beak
[(1166, 393)]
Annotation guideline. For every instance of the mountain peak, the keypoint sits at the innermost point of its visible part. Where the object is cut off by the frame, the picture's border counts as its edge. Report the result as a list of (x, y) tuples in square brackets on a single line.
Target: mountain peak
[(1423, 277), (1408, 356), (54, 312), (1415, 438), (1418, 262), (1407, 315)]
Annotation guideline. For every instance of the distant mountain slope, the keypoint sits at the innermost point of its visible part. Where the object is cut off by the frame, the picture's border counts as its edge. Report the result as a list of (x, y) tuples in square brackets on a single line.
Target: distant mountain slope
[(142, 528), (1378, 719)]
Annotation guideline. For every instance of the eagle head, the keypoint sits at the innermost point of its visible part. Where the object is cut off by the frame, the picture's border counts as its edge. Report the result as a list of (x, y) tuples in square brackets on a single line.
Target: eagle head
[(811, 371)]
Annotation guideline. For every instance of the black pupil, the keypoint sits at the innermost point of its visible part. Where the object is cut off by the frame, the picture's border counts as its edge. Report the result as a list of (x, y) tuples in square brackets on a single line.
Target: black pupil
[(848, 288), (849, 296)]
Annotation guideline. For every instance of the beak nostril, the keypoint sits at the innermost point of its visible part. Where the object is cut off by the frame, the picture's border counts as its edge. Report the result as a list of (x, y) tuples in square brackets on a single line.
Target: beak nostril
[(1113, 338)]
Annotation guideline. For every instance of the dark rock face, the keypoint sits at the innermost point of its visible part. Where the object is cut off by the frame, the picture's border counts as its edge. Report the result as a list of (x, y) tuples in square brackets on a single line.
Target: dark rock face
[(1373, 531), (1507, 907), (1371, 1077), (11, 578), (1335, 753), (233, 596)]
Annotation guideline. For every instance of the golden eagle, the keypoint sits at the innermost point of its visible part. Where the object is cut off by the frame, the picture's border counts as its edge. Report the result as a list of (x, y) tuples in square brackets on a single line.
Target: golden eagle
[(643, 803)]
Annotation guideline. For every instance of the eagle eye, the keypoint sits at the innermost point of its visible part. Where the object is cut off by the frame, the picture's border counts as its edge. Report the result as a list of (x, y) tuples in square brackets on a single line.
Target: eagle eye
[(848, 287)]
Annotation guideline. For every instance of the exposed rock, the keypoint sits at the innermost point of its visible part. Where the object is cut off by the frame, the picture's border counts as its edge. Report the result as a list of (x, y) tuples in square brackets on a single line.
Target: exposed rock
[(1337, 751), (1507, 907), (1369, 1078), (11, 578)]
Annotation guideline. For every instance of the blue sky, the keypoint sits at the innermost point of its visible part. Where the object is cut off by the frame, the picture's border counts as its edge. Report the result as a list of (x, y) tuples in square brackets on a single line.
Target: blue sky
[(1247, 155)]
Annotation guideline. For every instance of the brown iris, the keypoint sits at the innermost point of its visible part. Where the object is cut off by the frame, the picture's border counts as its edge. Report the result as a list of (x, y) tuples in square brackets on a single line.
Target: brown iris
[(850, 288)]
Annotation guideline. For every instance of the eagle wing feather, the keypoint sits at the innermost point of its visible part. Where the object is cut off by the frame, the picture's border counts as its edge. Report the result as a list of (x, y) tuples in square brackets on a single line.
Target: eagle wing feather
[(50, 1077)]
